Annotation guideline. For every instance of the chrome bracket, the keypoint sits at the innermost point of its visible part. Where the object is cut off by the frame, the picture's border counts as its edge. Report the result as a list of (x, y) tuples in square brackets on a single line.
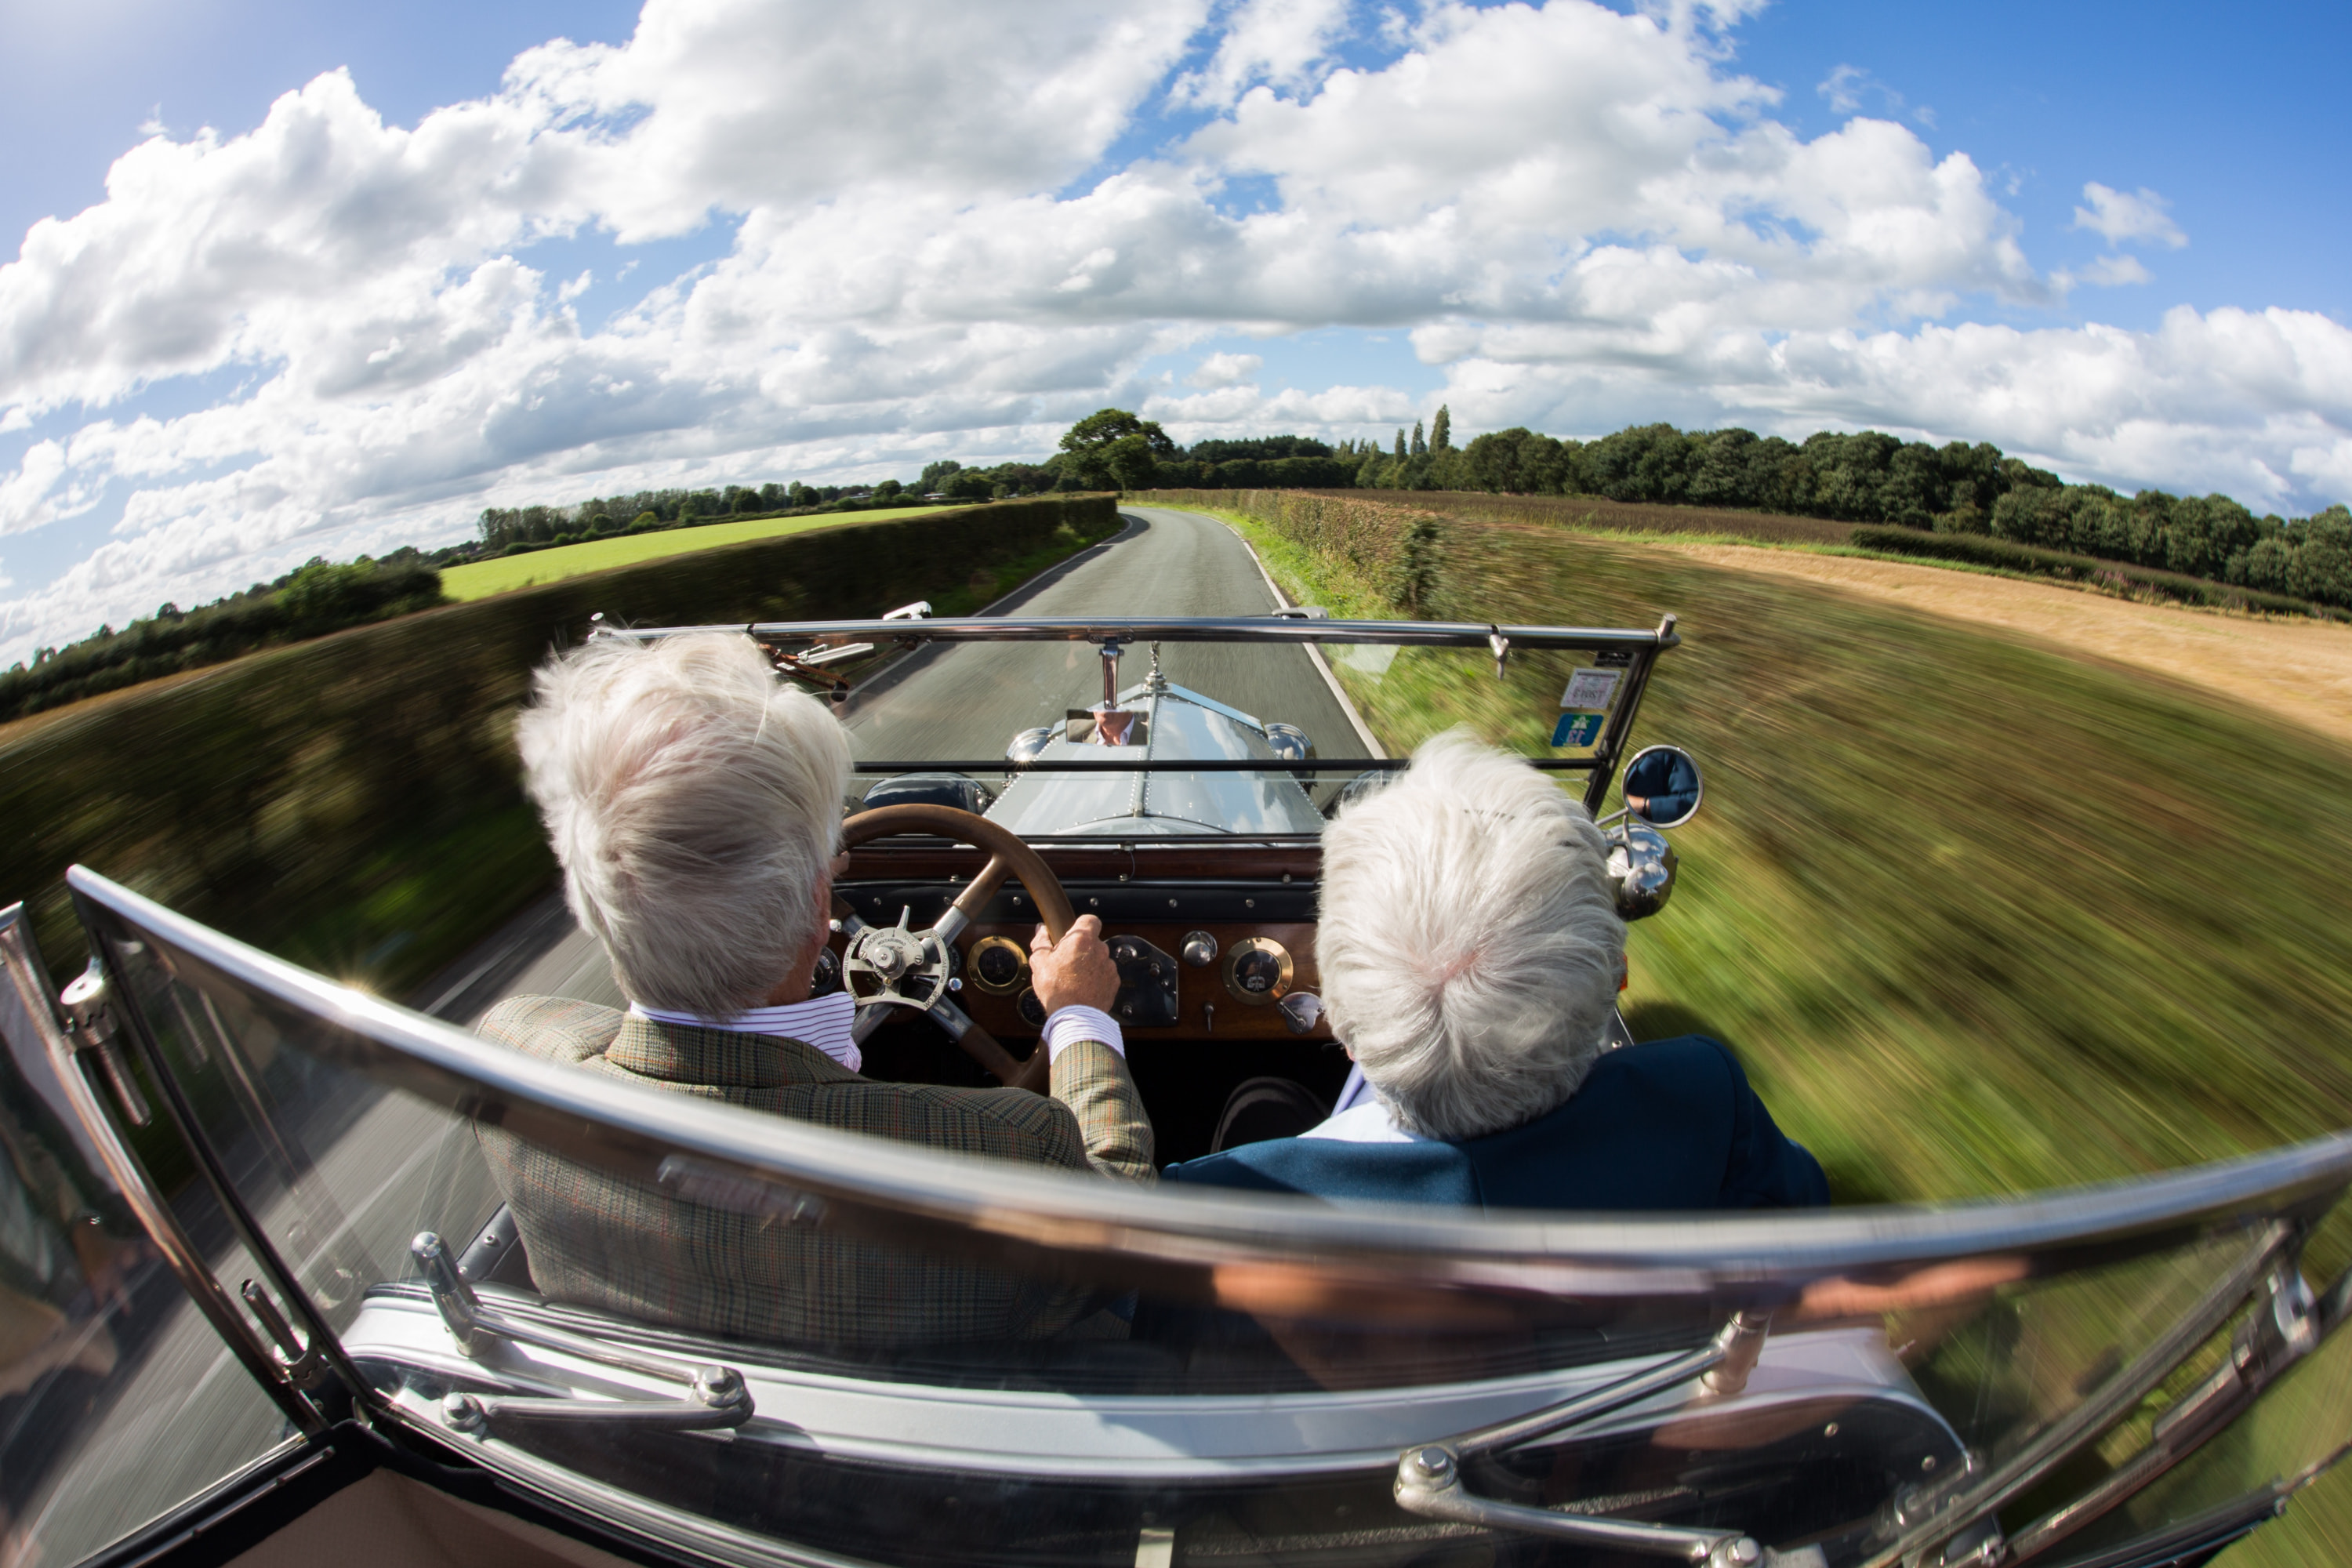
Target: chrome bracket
[(89, 1020), (716, 1399), (716, 1396), (304, 1367), (1429, 1483), (1110, 650), (1502, 647), (1428, 1477)]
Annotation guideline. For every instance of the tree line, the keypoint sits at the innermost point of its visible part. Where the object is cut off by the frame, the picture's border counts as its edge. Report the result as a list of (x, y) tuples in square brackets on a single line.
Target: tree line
[(319, 598), (1866, 477), (1873, 478)]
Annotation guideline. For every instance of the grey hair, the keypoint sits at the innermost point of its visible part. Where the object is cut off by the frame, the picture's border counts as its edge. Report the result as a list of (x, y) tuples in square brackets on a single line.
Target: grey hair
[(694, 801), (1469, 941)]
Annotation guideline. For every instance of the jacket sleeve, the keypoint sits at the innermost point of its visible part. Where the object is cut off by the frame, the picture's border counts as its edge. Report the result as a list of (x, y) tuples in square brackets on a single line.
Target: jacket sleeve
[(1766, 1168), (1092, 1079)]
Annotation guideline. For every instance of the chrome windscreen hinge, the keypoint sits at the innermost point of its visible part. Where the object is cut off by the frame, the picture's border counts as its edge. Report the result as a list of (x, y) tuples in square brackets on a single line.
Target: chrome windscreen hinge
[(89, 1024), (304, 1367)]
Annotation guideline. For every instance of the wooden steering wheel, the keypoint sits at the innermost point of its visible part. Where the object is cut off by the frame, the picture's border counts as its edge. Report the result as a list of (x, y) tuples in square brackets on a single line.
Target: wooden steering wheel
[(910, 968)]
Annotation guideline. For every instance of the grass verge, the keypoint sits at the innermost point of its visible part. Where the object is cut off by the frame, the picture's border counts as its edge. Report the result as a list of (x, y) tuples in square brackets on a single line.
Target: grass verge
[(1979, 918)]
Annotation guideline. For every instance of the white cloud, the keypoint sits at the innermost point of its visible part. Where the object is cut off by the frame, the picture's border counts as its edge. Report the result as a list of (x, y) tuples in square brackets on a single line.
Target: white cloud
[(2238, 401), (2120, 215), (1277, 43), (1226, 370), (956, 226), (1842, 88), (2107, 271)]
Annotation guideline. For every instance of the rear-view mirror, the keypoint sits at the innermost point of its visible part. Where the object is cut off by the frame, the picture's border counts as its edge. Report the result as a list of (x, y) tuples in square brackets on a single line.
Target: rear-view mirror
[(1663, 786)]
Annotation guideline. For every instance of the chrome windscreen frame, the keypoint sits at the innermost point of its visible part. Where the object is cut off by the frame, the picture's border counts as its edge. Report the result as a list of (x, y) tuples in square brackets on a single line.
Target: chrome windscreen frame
[(1820, 1265), (1638, 651)]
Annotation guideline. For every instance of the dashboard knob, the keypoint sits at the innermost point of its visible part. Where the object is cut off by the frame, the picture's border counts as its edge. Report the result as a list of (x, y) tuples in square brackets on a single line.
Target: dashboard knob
[(1199, 949)]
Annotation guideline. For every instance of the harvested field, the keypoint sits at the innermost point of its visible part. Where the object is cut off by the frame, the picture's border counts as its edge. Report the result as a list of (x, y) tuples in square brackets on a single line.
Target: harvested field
[(1592, 514), (2297, 669)]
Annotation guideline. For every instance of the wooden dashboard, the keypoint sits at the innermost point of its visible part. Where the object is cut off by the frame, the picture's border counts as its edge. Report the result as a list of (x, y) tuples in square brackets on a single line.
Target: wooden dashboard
[(1159, 894), (1205, 1003)]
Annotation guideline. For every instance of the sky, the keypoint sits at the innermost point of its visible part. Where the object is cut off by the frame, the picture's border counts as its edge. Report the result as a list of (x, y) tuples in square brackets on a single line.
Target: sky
[(297, 280)]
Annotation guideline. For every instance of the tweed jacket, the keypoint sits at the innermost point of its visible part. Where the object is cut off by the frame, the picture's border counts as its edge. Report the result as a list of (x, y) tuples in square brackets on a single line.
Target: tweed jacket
[(648, 1253)]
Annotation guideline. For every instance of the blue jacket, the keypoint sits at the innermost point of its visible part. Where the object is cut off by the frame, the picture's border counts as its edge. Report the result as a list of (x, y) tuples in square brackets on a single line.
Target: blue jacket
[(1671, 1124)]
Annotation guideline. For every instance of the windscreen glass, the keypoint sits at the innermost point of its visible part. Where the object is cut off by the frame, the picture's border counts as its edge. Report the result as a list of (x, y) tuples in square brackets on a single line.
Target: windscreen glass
[(1161, 741), (758, 1342), (118, 1401)]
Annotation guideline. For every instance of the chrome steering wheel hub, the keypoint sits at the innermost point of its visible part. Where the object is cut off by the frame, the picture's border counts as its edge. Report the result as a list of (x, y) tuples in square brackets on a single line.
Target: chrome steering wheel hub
[(904, 967)]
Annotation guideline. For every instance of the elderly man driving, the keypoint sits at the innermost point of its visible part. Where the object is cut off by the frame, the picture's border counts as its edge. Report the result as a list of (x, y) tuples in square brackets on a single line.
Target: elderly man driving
[(695, 804), (1470, 952)]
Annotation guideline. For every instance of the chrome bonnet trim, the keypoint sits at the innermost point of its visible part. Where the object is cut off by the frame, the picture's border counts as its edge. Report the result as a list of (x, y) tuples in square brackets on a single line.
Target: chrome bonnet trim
[(926, 1197)]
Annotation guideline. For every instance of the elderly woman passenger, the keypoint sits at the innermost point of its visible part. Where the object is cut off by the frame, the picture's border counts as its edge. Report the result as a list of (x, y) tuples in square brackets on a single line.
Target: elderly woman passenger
[(695, 804), (1471, 954)]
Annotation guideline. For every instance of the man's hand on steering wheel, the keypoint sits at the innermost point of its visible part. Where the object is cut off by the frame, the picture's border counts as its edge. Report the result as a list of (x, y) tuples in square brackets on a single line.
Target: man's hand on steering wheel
[(1077, 972)]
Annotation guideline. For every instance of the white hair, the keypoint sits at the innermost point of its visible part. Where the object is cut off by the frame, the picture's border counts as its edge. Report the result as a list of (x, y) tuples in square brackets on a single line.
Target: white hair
[(1469, 941), (694, 801)]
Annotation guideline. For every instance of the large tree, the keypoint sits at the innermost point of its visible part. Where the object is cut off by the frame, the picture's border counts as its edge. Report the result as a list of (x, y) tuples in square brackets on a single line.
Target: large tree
[(1099, 431)]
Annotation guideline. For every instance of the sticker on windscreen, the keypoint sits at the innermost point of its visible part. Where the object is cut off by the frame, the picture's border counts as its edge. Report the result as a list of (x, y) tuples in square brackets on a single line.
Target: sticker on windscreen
[(1578, 729), (1591, 690)]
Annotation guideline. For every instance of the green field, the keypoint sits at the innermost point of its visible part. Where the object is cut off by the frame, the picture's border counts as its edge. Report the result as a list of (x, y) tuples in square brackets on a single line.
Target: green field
[(483, 578), (1979, 918)]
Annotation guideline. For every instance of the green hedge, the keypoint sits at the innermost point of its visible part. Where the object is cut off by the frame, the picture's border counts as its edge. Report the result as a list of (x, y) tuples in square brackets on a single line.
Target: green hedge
[(2006, 554), (353, 802)]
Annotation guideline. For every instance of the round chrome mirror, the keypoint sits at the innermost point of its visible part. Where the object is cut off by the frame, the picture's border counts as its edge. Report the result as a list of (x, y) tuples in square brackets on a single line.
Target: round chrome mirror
[(1663, 786)]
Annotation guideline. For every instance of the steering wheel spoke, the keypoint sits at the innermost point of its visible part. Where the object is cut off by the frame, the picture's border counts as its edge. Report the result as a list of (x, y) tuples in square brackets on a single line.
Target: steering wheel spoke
[(901, 967), (985, 1048)]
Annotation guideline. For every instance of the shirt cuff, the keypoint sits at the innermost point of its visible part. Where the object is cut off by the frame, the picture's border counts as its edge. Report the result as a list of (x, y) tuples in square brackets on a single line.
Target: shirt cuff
[(1069, 1025)]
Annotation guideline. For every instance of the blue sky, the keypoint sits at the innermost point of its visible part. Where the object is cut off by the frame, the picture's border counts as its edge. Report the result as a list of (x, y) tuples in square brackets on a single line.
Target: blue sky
[(789, 240)]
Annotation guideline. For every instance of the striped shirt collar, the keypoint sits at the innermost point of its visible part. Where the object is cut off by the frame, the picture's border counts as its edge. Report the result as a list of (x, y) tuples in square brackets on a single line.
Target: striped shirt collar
[(820, 1021)]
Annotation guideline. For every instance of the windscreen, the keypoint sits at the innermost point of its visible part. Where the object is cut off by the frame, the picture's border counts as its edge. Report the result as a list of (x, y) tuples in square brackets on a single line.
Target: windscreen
[(1191, 719), (118, 1401), (775, 1348)]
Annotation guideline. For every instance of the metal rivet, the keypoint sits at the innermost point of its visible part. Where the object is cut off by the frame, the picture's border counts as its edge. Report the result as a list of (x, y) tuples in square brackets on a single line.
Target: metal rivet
[(1249, 903), (1928, 1463), (1171, 903), (464, 1412), (1829, 1430)]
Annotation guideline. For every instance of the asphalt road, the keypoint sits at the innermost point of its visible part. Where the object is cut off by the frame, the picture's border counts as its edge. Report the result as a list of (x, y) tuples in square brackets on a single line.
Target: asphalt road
[(966, 700), (186, 1414)]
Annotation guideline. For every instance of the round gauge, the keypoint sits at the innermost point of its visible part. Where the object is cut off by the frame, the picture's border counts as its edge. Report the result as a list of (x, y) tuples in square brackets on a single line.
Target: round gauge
[(1032, 1012), (826, 977), (998, 965), (1257, 971)]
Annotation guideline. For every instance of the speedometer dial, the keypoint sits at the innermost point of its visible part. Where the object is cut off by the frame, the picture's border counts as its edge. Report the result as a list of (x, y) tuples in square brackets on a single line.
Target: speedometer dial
[(1257, 971)]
